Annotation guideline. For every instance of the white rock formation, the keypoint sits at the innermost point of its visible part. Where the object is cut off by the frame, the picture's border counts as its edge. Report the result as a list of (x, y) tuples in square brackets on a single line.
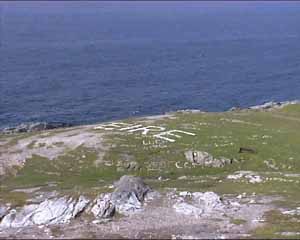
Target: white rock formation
[(53, 211)]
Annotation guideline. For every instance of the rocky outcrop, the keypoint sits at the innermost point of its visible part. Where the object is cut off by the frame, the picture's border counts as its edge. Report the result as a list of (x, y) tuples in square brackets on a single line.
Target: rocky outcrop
[(33, 127), (53, 211), (127, 198), (206, 160)]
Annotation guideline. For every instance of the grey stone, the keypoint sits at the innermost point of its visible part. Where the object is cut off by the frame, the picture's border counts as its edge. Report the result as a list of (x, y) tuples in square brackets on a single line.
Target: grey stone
[(3, 211), (53, 211), (129, 194), (103, 207)]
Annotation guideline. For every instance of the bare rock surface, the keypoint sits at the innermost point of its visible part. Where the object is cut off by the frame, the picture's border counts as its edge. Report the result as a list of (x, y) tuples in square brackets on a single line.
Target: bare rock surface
[(200, 203), (49, 146), (53, 211), (169, 214)]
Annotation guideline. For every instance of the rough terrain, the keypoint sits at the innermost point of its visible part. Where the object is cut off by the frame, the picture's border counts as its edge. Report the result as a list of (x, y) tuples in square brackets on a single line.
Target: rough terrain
[(232, 174)]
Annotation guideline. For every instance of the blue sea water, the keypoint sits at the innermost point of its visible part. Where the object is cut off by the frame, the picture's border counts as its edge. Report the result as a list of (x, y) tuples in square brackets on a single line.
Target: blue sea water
[(79, 62)]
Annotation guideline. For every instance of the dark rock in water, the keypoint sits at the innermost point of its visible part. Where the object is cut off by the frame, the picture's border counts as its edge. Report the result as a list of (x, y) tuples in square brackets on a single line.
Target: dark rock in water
[(33, 127), (129, 194)]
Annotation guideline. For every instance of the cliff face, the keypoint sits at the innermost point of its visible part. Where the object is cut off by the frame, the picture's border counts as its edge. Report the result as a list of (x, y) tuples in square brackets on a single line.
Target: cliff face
[(237, 152)]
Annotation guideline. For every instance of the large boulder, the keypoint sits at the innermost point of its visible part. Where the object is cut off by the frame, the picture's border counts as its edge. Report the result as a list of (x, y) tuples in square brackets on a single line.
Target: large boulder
[(127, 198), (129, 194), (50, 211)]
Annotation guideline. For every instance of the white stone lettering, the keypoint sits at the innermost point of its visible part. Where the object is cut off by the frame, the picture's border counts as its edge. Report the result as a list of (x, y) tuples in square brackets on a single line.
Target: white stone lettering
[(111, 126), (171, 133), (147, 129), (131, 127)]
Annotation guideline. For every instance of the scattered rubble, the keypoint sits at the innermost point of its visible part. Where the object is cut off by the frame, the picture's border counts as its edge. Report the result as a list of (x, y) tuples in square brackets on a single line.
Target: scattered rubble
[(3, 211), (251, 177)]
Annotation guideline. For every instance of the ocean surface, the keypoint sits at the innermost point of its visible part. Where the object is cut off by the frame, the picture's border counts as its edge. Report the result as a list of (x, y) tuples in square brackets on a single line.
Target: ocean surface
[(78, 62)]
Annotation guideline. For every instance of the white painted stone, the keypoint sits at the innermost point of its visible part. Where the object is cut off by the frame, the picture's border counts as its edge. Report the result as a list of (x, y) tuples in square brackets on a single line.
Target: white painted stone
[(171, 133), (145, 130)]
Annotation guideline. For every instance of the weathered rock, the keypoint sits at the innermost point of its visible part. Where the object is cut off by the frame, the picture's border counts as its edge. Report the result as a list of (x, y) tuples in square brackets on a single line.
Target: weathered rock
[(3, 211), (103, 207), (249, 175), (129, 194), (53, 211), (206, 160), (133, 166)]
